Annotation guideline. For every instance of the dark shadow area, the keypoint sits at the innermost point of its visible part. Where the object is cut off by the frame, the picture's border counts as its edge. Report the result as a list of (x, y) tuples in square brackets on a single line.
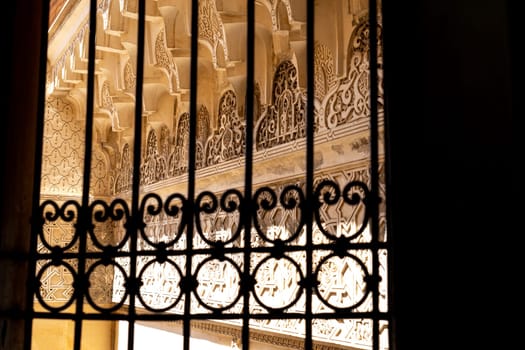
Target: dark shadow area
[(451, 76)]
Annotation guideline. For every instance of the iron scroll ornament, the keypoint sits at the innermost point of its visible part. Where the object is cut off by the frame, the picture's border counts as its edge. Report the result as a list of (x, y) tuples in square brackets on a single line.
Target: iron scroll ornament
[(355, 193)]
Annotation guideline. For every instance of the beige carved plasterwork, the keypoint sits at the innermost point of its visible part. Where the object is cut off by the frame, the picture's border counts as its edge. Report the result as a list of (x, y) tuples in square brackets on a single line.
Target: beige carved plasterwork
[(280, 340), (124, 171), (130, 79), (166, 62), (324, 70), (103, 7), (350, 100), (100, 170), (257, 104), (281, 13), (57, 282), (68, 66), (203, 133), (211, 29), (228, 141), (154, 166), (178, 159), (285, 120), (62, 149), (105, 97), (107, 105)]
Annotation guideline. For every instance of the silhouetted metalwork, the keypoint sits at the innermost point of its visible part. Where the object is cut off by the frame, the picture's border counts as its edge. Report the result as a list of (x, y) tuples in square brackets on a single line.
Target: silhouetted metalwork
[(246, 254)]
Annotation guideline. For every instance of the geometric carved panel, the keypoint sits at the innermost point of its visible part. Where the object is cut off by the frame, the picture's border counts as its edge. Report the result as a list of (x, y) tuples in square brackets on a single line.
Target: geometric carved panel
[(62, 149)]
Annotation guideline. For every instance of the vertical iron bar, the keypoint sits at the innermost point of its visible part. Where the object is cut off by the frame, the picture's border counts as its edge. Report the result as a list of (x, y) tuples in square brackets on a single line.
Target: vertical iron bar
[(191, 167), (374, 169), (310, 32), (248, 171), (35, 210), (137, 155), (83, 219), (388, 182)]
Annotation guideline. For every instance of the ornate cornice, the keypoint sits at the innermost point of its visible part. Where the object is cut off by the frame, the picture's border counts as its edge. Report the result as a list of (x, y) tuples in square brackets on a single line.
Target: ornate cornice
[(234, 331)]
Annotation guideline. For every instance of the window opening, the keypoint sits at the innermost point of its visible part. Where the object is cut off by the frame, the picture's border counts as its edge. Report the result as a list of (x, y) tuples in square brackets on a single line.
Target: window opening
[(260, 221)]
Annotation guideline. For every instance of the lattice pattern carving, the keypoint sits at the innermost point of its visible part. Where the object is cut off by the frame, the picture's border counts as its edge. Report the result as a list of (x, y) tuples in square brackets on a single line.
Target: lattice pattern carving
[(56, 281), (100, 170), (63, 149)]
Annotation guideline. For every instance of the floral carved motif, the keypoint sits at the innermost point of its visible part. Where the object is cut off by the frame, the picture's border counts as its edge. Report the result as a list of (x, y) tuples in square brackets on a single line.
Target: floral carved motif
[(228, 141), (154, 167), (350, 101), (284, 120), (324, 70), (166, 62), (211, 28)]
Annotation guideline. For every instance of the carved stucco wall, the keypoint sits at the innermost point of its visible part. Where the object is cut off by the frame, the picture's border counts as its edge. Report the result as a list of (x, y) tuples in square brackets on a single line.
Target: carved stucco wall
[(62, 149)]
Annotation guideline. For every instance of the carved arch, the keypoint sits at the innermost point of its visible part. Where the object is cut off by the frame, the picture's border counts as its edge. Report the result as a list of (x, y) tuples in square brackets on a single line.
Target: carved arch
[(282, 16)]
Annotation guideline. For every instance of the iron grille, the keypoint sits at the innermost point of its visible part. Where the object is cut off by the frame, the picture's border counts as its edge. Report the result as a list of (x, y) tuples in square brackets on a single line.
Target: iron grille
[(140, 252)]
